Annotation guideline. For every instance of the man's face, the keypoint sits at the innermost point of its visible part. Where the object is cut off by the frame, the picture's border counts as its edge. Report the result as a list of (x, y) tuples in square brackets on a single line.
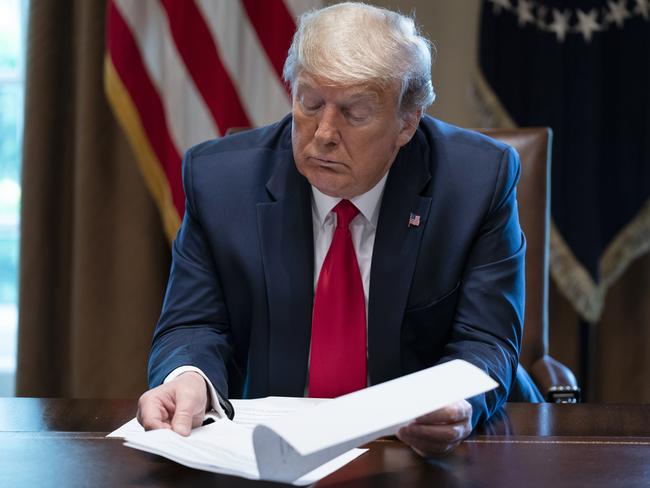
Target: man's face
[(345, 138)]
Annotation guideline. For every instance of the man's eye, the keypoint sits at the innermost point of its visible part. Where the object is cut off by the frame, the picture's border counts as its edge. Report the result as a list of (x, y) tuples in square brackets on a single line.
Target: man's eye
[(357, 115), (310, 105)]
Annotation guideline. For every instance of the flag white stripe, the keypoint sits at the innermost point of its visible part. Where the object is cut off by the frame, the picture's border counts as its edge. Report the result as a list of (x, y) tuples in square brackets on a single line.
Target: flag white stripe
[(260, 91), (187, 116)]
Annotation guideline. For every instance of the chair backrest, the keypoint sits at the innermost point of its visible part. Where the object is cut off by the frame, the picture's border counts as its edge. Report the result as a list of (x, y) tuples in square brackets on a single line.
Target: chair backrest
[(533, 191)]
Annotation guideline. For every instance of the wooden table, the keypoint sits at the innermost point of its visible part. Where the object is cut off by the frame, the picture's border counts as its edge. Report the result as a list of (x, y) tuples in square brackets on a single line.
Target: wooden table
[(55, 442)]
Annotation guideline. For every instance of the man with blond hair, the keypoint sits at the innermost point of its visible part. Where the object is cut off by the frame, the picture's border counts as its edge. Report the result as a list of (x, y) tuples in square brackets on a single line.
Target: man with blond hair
[(352, 242)]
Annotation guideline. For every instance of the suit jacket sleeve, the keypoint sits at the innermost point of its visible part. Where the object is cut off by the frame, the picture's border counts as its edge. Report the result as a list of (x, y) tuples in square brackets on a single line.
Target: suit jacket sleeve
[(193, 328), (488, 323)]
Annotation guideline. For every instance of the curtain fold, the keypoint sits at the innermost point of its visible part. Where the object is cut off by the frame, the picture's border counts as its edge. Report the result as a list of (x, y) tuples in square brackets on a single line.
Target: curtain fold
[(94, 259)]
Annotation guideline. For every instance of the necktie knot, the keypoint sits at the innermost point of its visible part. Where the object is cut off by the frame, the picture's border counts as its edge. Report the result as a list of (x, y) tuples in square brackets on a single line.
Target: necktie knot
[(345, 211)]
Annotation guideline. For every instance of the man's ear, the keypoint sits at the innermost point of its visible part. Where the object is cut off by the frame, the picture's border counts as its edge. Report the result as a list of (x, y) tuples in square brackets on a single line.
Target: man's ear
[(410, 121)]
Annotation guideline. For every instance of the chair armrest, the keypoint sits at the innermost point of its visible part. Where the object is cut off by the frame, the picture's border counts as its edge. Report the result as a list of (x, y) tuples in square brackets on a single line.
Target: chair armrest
[(556, 382)]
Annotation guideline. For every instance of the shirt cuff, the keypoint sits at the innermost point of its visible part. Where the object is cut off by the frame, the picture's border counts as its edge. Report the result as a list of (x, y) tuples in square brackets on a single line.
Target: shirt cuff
[(215, 398)]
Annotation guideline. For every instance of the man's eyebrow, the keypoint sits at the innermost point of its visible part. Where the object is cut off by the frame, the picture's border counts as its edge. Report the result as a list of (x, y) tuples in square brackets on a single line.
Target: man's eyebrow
[(304, 86), (364, 95), (358, 95)]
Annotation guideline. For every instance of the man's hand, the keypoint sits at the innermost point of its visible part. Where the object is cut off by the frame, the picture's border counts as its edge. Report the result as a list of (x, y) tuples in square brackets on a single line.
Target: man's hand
[(178, 405), (438, 432)]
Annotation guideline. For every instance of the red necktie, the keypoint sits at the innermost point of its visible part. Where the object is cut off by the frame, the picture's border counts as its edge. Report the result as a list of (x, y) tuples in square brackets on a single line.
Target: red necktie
[(337, 363)]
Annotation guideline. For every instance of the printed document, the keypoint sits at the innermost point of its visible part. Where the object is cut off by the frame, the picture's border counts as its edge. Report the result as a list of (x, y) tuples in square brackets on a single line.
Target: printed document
[(300, 441)]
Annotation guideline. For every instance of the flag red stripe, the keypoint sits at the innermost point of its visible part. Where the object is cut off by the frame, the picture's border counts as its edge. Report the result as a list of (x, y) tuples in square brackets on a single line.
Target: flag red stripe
[(198, 50), (130, 67), (275, 27)]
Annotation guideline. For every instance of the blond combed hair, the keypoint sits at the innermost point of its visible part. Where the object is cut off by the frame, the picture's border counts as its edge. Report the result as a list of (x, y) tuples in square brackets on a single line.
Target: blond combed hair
[(354, 43)]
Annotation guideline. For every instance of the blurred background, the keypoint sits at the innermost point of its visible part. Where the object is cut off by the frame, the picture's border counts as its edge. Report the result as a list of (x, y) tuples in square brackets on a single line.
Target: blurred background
[(90, 164)]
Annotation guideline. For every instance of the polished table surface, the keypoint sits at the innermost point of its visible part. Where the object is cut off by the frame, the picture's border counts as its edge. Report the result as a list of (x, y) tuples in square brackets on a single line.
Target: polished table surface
[(57, 442)]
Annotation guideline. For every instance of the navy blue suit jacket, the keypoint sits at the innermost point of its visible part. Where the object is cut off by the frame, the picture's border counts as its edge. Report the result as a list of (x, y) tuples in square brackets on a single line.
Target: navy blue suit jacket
[(239, 298)]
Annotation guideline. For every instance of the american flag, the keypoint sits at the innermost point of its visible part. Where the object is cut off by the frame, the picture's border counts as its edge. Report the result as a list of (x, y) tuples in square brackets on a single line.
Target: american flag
[(179, 72), (414, 220)]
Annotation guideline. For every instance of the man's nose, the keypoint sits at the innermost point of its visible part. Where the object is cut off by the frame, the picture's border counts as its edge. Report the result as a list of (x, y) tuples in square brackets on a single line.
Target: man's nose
[(327, 132)]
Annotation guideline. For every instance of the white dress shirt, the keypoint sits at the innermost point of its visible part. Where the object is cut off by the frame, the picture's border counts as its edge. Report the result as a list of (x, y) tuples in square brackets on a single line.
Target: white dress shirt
[(363, 229)]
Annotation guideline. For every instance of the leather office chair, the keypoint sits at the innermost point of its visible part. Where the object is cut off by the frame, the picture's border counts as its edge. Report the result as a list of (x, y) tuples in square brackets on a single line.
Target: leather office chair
[(555, 381)]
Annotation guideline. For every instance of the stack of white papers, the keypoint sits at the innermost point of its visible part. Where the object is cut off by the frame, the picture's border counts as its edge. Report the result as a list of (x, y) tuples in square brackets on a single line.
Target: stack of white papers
[(300, 441)]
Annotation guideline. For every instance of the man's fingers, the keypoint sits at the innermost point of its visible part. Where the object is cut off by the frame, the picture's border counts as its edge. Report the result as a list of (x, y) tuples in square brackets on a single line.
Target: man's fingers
[(425, 447), (153, 424), (429, 440), (153, 412), (451, 414), (438, 432), (178, 405)]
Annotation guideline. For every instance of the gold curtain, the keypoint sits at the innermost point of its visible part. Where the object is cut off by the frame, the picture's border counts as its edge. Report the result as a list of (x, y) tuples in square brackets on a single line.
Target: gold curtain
[(94, 259)]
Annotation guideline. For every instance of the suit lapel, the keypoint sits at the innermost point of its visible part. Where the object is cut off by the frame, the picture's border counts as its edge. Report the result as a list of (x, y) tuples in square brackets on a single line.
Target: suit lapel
[(394, 256), (286, 239)]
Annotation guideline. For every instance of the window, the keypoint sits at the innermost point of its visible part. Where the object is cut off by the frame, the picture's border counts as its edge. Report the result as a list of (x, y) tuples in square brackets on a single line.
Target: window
[(13, 21)]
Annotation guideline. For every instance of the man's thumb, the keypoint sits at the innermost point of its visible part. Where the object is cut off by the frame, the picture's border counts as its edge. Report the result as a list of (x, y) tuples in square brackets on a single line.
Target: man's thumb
[(182, 422)]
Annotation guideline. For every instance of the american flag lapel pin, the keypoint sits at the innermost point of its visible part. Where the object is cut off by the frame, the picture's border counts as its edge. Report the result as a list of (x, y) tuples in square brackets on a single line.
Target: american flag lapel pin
[(414, 220)]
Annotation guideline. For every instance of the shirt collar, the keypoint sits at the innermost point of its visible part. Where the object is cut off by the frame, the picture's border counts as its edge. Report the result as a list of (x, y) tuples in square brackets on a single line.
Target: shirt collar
[(367, 203)]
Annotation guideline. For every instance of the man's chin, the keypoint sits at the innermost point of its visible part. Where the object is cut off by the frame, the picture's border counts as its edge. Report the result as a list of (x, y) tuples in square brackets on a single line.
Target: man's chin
[(333, 181), (331, 188)]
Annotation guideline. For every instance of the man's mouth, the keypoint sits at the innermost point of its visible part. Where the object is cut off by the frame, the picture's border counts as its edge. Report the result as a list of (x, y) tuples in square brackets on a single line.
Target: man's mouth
[(325, 161)]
